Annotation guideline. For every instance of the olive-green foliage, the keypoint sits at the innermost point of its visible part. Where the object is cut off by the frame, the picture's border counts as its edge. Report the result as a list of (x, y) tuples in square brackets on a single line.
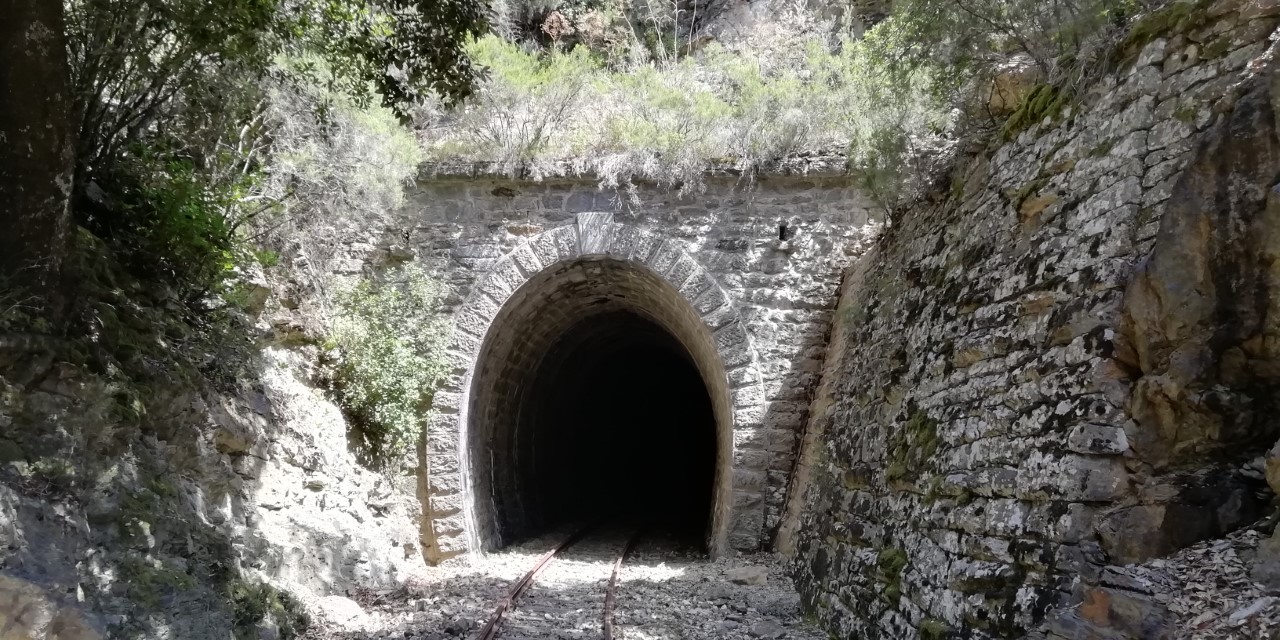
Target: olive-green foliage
[(1044, 101), (387, 340), (1071, 42), (422, 40), (525, 105), (1185, 113), (332, 159), (133, 61), (886, 98), (967, 38), (1178, 15), (148, 582), (669, 122), (252, 602), (128, 327), (175, 221)]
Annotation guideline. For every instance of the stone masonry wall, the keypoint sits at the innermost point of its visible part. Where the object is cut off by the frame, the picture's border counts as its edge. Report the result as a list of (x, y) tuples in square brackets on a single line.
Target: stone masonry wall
[(784, 289), (992, 440)]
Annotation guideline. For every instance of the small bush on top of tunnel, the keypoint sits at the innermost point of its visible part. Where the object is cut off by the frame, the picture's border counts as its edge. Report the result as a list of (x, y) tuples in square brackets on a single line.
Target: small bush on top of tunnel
[(386, 341)]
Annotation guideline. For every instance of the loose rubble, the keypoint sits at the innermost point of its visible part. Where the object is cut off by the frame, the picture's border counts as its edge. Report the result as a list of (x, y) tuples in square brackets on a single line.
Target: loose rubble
[(1216, 597), (1204, 592), (666, 590)]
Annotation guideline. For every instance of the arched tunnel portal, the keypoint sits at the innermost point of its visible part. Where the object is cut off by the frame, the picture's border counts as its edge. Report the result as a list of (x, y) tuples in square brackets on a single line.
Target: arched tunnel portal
[(598, 392)]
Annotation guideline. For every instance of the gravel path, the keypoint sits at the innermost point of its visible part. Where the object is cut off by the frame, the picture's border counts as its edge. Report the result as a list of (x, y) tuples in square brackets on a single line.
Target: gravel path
[(667, 590)]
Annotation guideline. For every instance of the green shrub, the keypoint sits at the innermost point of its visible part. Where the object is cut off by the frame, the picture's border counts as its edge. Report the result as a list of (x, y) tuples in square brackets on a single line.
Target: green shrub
[(669, 122), (527, 102), (175, 220), (889, 98), (387, 340), (966, 39), (252, 602), (266, 257)]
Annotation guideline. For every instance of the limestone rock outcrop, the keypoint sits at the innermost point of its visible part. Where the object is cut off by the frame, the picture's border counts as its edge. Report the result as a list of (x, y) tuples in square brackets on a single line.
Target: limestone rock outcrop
[(29, 612), (1200, 325), (1066, 365), (148, 508)]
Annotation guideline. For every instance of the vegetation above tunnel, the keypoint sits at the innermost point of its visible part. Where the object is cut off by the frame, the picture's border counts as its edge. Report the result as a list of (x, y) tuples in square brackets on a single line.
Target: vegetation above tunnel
[(270, 118), (655, 91)]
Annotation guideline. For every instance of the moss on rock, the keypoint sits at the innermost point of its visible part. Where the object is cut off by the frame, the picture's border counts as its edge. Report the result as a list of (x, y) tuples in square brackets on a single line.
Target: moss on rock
[(890, 562), (933, 629), (911, 447), (1044, 101)]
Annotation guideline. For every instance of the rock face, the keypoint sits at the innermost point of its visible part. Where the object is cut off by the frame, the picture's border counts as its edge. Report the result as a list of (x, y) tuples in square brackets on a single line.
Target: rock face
[(1202, 315), (28, 613), (1086, 368), (1203, 591), (171, 508)]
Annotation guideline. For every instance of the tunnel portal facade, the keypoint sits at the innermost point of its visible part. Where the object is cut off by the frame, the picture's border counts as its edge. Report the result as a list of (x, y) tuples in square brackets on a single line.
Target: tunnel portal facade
[(597, 364), (583, 315)]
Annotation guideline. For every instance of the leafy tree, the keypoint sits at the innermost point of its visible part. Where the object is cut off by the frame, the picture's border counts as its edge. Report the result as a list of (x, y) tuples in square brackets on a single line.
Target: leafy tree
[(173, 112), (403, 49), (148, 114), (133, 58)]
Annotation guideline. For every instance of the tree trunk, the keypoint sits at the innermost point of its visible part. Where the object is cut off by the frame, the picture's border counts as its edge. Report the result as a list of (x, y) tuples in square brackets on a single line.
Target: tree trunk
[(37, 159)]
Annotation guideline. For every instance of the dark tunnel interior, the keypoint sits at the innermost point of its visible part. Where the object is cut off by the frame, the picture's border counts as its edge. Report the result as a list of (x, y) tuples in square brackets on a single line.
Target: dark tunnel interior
[(616, 424)]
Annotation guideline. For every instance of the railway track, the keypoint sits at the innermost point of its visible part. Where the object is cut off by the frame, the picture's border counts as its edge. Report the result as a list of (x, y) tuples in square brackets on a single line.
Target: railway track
[(557, 613)]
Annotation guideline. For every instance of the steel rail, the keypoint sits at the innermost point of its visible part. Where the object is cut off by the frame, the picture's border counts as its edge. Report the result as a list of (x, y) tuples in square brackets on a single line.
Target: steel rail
[(611, 592), (490, 629)]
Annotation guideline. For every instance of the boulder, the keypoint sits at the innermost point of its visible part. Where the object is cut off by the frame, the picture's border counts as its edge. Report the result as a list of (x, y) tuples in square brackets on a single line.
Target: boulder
[(29, 612), (767, 630), (1265, 567), (1113, 613), (1271, 465), (748, 575)]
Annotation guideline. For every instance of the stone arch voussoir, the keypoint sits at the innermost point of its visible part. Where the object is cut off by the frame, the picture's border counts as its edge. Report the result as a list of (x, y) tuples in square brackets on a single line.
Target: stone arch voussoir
[(448, 529)]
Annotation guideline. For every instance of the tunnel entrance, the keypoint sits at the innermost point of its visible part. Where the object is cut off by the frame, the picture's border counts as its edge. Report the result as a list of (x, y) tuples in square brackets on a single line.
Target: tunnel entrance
[(598, 395), (621, 427)]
